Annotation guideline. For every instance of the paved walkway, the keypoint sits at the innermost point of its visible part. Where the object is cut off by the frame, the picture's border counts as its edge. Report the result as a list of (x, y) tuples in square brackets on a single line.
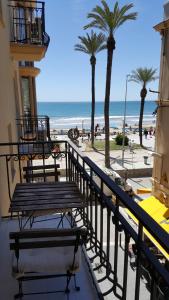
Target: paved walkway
[(133, 158)]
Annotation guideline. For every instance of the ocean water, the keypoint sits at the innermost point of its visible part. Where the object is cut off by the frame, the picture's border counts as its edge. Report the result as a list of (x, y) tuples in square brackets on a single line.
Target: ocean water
[(71, 114)]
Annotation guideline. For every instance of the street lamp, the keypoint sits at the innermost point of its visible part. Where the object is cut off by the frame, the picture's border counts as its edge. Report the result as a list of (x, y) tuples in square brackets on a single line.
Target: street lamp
[(124, 119), (82, 125)]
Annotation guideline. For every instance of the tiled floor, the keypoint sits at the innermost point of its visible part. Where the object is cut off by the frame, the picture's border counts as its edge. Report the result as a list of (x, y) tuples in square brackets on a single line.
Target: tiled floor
[(9, 286)]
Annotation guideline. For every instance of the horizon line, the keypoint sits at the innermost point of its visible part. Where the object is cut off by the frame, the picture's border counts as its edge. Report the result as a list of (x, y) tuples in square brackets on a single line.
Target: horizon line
[(89, 101)]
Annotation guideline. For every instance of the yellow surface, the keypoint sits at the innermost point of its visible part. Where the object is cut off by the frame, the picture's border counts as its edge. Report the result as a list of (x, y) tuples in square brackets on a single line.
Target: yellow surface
[(143, 191), (160, 213)]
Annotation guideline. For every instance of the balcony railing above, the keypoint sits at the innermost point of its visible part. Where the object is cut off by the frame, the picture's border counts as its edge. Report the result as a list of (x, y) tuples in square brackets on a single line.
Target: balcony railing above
[(33, 128), (27, 30)]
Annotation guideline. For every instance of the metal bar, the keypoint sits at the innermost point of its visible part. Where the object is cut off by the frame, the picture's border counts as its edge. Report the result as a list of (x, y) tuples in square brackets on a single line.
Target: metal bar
[(116, 221), (138, 262), (125, 270), (7, 170), (96, 219), (108, 243), (153, 291), (101, 224), (66, 160)]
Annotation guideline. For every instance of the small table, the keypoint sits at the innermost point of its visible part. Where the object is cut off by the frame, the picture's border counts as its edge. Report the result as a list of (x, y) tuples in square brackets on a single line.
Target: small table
[(29, 198)]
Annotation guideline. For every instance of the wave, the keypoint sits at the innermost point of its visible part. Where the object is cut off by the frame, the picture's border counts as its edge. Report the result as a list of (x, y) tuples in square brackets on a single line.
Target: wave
[(97, 117), (85, 122)]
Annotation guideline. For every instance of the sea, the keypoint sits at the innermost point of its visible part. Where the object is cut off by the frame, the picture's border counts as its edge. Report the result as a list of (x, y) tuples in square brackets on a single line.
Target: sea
[(66, 115)]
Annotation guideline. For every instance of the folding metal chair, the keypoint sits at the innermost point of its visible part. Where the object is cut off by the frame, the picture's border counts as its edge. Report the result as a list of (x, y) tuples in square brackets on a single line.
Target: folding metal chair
[(47, 253)]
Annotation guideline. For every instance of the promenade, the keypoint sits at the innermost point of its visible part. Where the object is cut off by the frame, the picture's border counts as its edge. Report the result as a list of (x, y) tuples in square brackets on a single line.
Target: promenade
[(133, 158), (134, 167)]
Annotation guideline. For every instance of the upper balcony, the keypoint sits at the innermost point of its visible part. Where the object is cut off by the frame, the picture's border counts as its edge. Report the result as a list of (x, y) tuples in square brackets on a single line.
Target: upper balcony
[(35, 128), (28, 39)]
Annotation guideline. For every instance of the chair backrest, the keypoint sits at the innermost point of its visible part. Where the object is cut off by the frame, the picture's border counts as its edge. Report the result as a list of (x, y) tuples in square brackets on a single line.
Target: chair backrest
[(41, 173), (79, 234), (27, 240)]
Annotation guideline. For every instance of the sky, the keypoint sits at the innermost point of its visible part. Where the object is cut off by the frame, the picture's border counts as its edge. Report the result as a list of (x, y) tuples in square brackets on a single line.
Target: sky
[(66, 73)]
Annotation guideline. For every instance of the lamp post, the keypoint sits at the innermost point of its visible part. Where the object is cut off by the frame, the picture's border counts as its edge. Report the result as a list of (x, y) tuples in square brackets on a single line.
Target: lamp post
[(124, 119)]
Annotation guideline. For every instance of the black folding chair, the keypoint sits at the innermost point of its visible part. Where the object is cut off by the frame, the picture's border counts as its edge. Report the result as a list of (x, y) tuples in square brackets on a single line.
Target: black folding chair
[(47, 253)]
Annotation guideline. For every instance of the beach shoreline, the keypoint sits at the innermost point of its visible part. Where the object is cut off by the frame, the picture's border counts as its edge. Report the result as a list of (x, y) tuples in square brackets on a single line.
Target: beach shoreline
[(119, 129)]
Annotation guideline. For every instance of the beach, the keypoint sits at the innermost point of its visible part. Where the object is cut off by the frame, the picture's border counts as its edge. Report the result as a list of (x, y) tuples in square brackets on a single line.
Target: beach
[(66, 115)]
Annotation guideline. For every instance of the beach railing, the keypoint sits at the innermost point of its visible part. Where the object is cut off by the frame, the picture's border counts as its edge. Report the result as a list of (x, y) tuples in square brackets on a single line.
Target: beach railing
[(117, 254)]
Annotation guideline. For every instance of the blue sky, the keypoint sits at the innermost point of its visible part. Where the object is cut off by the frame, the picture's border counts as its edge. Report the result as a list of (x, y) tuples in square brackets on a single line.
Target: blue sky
[(66, 74)]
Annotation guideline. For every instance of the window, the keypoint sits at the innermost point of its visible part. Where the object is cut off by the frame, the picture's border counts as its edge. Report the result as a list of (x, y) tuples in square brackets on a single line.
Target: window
[(1, 15), (25, 94)]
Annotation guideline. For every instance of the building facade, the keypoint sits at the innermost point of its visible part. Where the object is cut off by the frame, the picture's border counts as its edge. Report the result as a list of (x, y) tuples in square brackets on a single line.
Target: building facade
[(23, 42), (161, 155)]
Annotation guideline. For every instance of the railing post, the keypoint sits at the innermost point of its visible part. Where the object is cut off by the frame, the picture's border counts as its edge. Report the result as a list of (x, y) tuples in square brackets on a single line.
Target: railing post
[(125, 270), (66, 159), (43, 22), (101, 222), (138, 263), (116, 222), (108, 243), (48, 127)]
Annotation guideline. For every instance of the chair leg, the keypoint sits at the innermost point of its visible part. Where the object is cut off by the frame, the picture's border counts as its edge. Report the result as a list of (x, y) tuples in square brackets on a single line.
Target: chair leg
[(68, 278), (20, 294), (32, 221), (61, 221), (75, 283)]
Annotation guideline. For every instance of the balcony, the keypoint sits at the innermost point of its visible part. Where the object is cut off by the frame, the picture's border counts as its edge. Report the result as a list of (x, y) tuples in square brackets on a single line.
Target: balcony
[(28, 39), (110, 269), (33, 128)]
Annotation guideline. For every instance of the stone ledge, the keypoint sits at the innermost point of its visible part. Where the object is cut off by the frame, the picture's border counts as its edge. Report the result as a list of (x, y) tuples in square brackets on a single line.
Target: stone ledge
[(134, 173)]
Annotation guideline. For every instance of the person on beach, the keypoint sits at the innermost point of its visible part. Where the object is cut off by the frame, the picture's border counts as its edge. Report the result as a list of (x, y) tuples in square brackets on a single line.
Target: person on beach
[(96, 127), (145, 133), (150, 132), (88, 136)]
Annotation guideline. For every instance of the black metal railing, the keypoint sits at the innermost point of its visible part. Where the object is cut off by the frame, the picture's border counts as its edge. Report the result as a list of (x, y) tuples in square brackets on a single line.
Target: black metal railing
[(33, 128), (27, 22), (111, 233)]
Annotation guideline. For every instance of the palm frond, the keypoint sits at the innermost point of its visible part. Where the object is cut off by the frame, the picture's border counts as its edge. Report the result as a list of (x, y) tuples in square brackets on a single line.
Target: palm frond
[(143, 75), (108, 21), (80, 48), (91, 43), (97, 22), (106, 7)]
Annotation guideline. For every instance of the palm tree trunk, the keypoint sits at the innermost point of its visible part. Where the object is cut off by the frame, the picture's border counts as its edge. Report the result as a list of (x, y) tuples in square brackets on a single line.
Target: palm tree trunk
[(93, 63), (143, 94), (110, 49)]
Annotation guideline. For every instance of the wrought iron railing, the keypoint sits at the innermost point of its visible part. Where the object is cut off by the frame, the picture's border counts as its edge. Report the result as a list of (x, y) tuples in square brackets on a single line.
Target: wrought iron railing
[(33, 128), (110, 231), (27, 22)]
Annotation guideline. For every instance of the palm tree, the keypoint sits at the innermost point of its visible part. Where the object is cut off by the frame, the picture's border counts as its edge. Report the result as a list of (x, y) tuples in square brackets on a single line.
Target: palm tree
[(143, 76), (109, 21), (92, 44)]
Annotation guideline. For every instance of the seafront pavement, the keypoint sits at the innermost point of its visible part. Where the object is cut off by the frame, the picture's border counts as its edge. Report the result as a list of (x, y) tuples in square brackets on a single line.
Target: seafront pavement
[(133, 158), (134, 162)]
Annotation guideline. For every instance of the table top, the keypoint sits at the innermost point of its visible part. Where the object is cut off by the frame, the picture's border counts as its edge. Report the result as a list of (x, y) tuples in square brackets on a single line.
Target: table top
[(46, 195)]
